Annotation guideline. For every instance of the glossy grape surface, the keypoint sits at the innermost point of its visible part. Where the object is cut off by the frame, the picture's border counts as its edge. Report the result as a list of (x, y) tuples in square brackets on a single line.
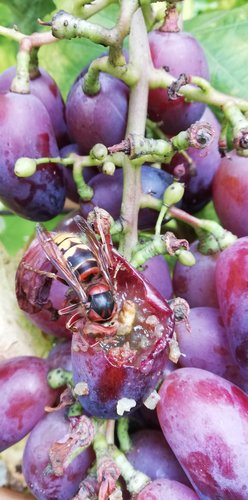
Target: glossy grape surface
[(24, 395), (166, 488), (230, 193), (151, 454), (41, 196), (97, 119), (180, 53), (37, 470), (196, 284), (45, 88), (203, 342), (205, 421), (231, 283)]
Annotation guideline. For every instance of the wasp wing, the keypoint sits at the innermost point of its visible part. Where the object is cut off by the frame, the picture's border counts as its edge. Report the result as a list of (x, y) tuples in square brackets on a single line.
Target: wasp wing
[(55, 256), (95, 247)]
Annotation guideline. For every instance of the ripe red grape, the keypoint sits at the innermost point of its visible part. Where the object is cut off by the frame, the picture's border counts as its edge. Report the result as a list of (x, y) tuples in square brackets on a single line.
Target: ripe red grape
[(41, 196), (205, 420), (97, 119), (180, 53), (166, 488), (196, 284), (24, 395), (151, 454), (230, 193), (45, 88), (156, 270), (41, 297), (204, 344), (129, 366), (231, 283), (37, 468)]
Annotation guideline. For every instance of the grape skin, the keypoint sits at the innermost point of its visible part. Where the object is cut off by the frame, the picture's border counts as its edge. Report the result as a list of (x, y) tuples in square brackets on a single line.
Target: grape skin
[(151, 454), (181, 53), (208, 431), (24, 394), (196, 284), (204, 344), (167, 489), (45, 88), (231, 283), (90, 119), (230, 193), (41, 196), (43, 483)]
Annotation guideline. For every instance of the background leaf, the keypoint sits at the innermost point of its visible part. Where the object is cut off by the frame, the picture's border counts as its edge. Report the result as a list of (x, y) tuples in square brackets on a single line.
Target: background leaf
[(24, 13), (223, 35)]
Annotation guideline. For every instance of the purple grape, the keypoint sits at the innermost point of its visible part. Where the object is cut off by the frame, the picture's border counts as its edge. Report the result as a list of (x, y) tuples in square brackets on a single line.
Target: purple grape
[(196, 284), (24, 395), (60, 356), (37, 469), (41, 196), (180, 53), (198, 187), (156, 270), (204, 418), (205, 345), (167, 489), (45, 88), (231, 283), (41, 297), (108, 193), (116, 367), (230, 193), (151, 454), (97, 119)]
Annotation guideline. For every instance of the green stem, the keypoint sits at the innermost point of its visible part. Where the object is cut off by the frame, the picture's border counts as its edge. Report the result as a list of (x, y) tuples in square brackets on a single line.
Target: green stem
[(126, 73), (65, 25), (161, 79), (140, 59), (122, 434), (20, 83), (135, 480)]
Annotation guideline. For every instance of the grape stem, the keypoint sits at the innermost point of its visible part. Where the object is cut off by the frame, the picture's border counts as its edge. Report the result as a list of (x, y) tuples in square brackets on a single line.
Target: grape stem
[(213, 237), (140, 58), (122, 434), (36, 39)]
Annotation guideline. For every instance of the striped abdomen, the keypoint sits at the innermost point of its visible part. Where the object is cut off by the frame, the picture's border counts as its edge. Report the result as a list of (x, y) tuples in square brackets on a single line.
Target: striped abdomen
[(79, 256)]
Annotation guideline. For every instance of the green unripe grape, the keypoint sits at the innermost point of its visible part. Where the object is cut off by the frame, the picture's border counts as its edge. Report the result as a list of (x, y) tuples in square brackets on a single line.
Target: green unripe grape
[(99, 152), (173, 194)]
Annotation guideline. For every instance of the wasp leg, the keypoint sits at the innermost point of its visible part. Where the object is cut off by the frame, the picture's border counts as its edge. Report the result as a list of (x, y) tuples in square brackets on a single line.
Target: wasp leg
[(68, 309), (45, 273)]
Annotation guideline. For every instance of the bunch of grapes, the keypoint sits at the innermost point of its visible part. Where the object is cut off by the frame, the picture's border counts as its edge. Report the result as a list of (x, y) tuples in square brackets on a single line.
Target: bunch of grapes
[(144, 391)]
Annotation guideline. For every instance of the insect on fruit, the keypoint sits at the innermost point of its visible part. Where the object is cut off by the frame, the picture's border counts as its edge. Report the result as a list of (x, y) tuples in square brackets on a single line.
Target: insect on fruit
[(84, 268)]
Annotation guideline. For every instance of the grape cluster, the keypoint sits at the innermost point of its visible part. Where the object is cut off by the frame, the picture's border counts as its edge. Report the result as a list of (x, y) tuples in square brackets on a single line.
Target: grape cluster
[(150, 338)]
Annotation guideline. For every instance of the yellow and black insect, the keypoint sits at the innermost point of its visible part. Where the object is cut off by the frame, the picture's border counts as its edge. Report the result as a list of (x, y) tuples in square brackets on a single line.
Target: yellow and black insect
[(84, 268)]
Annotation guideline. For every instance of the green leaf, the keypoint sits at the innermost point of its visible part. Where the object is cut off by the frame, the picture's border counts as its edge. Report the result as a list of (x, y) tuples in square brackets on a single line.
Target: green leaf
[(223, 35), (25, 13)]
